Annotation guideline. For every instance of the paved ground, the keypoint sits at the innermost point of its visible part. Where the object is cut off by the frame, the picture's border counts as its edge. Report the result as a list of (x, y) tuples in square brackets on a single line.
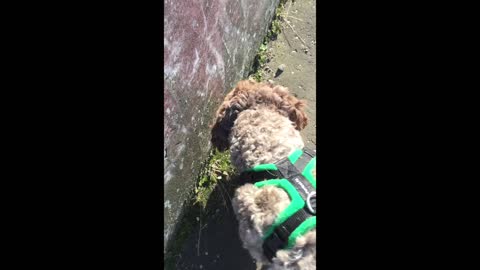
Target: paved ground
[(295, 48), (214, 243), (217, 245)]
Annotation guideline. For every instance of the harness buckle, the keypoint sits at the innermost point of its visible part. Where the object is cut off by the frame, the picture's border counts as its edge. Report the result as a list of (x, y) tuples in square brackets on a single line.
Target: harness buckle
[(312, 202)]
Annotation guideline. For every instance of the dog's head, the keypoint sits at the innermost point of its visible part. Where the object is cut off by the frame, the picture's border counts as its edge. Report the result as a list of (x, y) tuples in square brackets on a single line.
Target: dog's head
[(249, 94)]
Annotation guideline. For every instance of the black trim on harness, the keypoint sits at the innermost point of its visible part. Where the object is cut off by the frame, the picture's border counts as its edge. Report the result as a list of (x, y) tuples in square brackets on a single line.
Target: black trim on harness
[(253, 177), (304, 159), (290, 172), (279, 237)]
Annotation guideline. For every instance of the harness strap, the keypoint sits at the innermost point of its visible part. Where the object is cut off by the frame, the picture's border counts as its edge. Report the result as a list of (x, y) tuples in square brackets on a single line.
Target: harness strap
[(303, 160), (305, 164), (285, 170), (291, 172), (282, 237), (296, 204), (294, 175)]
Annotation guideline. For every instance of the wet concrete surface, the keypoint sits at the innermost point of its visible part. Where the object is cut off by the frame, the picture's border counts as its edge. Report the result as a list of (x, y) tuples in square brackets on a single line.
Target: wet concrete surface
[(220, 246), (214, 241)]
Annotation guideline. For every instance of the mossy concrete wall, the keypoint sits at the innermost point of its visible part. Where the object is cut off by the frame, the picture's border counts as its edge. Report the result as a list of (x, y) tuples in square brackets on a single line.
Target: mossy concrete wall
[(209, 45)]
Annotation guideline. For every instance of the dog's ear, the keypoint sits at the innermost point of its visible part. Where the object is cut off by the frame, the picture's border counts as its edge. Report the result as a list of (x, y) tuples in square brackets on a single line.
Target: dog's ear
[(220, 130), (292, 107), (297, 114), (234, 102)]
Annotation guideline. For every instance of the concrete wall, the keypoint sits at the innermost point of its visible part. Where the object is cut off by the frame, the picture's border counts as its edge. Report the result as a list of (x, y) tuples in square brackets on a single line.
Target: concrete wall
[(208, 46)]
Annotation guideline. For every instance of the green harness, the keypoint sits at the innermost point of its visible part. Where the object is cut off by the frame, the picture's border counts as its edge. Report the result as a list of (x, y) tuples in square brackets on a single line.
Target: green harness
[(294, 175)]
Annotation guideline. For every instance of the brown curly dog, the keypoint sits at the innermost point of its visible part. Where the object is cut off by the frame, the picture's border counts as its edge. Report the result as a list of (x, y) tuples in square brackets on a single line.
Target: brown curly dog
[(260, 123)]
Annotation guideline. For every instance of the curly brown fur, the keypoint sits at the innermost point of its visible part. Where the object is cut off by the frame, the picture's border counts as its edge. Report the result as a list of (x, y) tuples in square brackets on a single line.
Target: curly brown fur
[(260, 124), (262, 136)]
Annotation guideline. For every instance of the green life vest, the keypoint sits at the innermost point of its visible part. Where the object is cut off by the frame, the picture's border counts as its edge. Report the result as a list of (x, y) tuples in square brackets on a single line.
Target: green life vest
[(294, 175)]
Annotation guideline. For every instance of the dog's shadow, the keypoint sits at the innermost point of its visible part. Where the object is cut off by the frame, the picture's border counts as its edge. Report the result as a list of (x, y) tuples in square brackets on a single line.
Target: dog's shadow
[(213, 241)]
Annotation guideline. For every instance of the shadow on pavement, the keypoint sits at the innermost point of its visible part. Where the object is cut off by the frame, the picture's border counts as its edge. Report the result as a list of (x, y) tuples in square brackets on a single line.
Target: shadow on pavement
[(218, 246)]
